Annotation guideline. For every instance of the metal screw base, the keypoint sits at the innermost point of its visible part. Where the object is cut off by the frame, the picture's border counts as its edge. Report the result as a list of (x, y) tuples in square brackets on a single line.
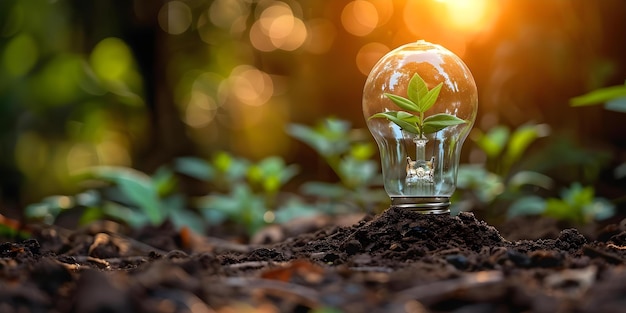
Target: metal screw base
[(425, 205)]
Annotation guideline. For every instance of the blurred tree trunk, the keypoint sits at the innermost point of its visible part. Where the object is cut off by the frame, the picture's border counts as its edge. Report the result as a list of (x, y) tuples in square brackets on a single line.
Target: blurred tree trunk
[(136, 23)]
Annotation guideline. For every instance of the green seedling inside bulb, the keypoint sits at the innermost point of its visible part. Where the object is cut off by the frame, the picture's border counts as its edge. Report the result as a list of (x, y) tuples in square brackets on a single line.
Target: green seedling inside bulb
[(419, 100)]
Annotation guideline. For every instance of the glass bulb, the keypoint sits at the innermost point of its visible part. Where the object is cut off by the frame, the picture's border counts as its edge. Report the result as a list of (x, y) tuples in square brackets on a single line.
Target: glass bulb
[(420, 138)]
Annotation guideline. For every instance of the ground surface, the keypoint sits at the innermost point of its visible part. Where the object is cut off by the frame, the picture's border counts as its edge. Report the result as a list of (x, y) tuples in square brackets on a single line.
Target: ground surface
[(394, 262)]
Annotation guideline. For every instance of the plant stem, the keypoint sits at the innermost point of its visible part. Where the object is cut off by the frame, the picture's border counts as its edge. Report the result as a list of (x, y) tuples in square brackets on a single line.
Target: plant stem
[(420, 125)]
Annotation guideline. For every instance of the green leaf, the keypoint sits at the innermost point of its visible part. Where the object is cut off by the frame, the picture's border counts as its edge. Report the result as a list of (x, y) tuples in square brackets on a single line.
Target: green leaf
[(324, 190), (484, 184), (430, 98), (403, 103), (416, 90), (599, 96), (521, 139), (559, 209), (131, 217), (493, 142), (362, 151), (145, 196), (91, 214), (271, 173), (182, 217), (136, 186), (530, 178), (328, 139), (333, 127), (44, 211), (295, 208), (307, 135), (407, 117), (437, 122), (194, 167), (600, 209), (392, 116), (529, 205), (577, 195), (230, 168), (164, 181), (617, 105), (222, 161), (357, 173)]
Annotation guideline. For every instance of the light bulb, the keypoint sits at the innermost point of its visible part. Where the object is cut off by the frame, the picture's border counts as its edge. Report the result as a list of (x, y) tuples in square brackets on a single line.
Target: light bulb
[(420, 102)]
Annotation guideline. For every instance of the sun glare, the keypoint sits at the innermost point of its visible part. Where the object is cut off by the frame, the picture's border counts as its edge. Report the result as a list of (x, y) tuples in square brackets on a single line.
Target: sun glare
[(469, 15)]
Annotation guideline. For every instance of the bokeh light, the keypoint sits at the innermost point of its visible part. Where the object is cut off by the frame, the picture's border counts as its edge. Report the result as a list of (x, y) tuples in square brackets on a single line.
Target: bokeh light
[(368, 55), (384, 9), (278, 28), (250, 86), (225, 13), (31, 153), (359, 17), (111, 59), (20, 55), (113, 149), (175, 17), (80, 156), (200, 110)]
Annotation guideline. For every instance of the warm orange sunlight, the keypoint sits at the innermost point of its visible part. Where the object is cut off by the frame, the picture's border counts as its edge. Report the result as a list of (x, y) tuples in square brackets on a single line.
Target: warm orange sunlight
[(451, 23), (467, 15)]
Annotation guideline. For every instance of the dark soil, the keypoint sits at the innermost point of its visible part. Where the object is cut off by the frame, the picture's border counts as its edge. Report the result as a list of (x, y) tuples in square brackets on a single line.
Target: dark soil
[(397, 261)]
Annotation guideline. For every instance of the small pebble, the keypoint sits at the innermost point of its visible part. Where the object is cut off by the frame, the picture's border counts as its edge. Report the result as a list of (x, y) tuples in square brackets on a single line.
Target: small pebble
[(458, 260)]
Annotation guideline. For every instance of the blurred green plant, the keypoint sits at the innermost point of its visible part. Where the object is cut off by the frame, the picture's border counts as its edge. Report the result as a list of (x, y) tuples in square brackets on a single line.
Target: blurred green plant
[(577, 204), (65, 103), (128, 195), (246, 194), (503, 183), (243, 193), (349, 155), (613, 98), (482, 187), (504, 148)]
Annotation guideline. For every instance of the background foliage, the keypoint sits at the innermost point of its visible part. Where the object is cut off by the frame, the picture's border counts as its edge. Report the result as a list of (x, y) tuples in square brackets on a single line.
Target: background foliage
[(119, 89)]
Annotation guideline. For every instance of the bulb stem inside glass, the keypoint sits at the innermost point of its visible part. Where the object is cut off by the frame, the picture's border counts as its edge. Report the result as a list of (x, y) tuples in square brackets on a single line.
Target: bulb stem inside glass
[(420, 179), (420, 147), (420, 173)]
